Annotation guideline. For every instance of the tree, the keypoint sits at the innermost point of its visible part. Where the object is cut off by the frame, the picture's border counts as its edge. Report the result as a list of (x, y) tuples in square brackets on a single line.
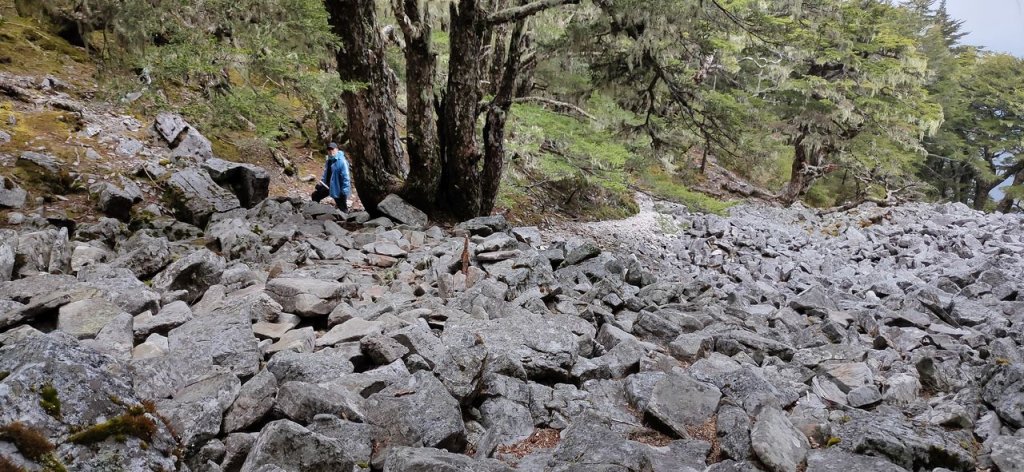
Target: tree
[(855, 83), (441, 167)]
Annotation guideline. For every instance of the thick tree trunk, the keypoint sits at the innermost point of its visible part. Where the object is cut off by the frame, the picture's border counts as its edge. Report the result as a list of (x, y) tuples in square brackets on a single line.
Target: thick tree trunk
[(460, 186), (799, 180), (981, 191), (421, 123), (374, 144)]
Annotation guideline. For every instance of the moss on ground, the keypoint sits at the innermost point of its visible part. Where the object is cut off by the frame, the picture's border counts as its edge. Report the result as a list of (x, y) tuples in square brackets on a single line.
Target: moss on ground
[(133, 423), (31, 47), (659, 183), (32, 444), (49, 400)]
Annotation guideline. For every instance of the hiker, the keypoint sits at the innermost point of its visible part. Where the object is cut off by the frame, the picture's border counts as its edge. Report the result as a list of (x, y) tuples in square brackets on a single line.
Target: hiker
[(335, 182)]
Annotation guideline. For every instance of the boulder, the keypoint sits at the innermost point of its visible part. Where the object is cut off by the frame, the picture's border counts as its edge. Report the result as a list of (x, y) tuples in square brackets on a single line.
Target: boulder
[(407, 459), (225, 337), (284, 445), (307, 297), (195, 273), (1008, 453), (250, 183), (195, 197), (402, 212), (680, 402), (170, 316), (183, 139), (114, 201), (1004, 391), (312, 367), (42, 388), (835, 460), (777, 443), (302, 401), (11, 195), (195, 412), (255, 399), (483, 225), (913, 446), (45, 170), (84, 319), (418, 412)]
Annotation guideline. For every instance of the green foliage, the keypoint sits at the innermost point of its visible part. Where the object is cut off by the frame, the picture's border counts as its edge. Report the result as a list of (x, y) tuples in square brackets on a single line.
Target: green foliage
[(663, 185)]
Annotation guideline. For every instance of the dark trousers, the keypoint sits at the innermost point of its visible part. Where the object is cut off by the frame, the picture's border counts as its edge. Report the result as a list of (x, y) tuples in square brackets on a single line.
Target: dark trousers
[(321, 192)]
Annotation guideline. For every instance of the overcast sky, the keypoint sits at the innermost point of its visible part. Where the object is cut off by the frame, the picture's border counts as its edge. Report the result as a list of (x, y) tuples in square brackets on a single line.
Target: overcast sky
[(996, 24)]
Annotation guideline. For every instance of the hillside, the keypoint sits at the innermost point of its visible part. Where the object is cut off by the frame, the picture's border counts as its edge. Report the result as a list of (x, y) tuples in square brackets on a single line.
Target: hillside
[(692, 263)]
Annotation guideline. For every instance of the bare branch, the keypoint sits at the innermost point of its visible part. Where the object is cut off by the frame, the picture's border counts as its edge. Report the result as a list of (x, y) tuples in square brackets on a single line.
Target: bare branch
[(523, 11), (408, 29), (557, 104)]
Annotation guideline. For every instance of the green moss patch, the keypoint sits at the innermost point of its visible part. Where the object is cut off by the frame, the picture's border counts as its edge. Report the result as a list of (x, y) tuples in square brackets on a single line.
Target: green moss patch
[(133, 423), (659, 183), (49, 400)]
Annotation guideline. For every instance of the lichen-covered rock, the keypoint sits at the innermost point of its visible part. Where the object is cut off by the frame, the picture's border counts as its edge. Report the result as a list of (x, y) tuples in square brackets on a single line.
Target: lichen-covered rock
[(195, 273), (42, 388), (46, 170), (284, 445), (402, 212), (418, 412), (195, 197), (307, 297)]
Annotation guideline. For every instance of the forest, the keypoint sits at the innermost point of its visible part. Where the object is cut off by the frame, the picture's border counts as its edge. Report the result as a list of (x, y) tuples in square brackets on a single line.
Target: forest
[(467, 107)]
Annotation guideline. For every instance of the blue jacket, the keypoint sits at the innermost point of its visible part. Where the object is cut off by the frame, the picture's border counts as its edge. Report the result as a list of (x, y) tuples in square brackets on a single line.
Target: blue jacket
[(336, 176)]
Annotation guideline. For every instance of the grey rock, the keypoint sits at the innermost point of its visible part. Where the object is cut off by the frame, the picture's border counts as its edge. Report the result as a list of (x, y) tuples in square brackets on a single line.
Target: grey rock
[(11, 195), (44, 169), (1008, 453), (356, 438), (680, 402), (402, 212), (834, 460), (144, 255), (169, 317), (354, 329), (296, 340), (1004, 391), (579, 254), (114, 201), (154, 346), (307, 297), (290, 447), (407, 459), (733, 426), (225, 337), (301, 402), (418, 412), (313, 367), (255, 400), (250, 183), (114, 339), (863, 396), (195, 197), (195, 273), (196, 412), (777, 443), (483, 225), (84, 319), (382, 350), (909, 445), (58, 361)]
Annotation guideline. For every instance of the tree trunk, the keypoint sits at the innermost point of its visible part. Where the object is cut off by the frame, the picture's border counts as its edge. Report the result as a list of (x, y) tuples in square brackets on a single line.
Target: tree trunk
[(799, 180), (497, 115), (981, 191), (374, 144), (1006, 204), (460, 186), (421, 122)]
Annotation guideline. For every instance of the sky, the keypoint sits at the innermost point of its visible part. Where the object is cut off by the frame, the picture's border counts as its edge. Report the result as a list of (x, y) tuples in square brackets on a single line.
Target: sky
[(996, 24)]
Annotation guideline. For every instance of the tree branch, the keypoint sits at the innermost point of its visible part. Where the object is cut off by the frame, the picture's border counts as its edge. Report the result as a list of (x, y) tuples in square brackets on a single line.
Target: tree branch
[(556, 104), (522, 12)]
